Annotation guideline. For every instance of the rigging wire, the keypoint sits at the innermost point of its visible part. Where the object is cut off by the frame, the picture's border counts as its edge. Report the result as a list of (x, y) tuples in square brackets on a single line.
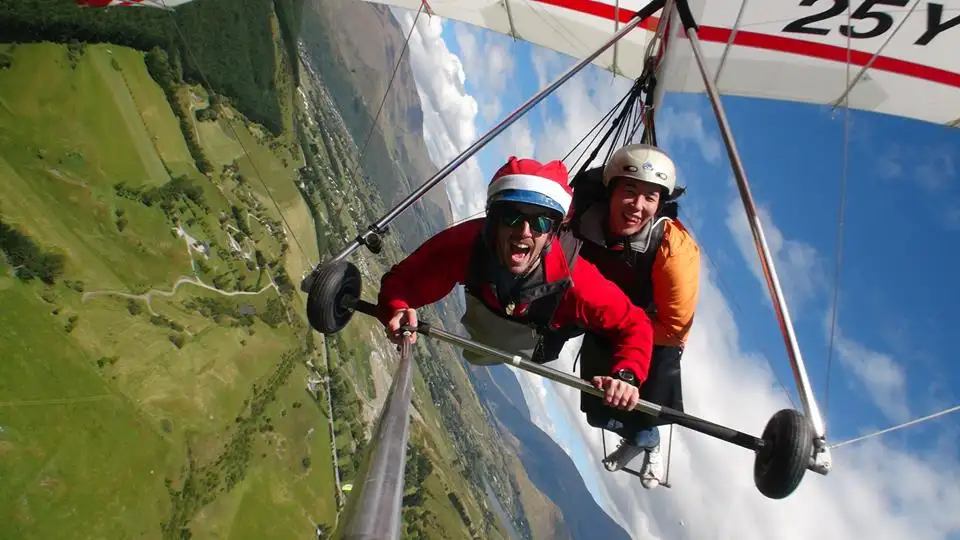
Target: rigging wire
[(898, 426), (303, 254), (386, 92), (839, 241)]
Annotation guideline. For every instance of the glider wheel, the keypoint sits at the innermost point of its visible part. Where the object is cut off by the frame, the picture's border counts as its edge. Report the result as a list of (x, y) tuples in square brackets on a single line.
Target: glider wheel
[(781, 463), (333, 283)]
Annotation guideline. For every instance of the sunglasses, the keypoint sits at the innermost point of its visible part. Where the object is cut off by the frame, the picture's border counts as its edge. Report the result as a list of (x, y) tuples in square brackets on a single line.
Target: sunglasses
[(539, 223)]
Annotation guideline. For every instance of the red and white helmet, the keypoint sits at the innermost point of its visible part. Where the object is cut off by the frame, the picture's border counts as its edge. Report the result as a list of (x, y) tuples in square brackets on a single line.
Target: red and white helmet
[(530, 182)]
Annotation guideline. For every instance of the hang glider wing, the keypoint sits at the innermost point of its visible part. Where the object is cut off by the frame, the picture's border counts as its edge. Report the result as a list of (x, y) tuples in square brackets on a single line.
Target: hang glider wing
[(162, 4), (793, 50)]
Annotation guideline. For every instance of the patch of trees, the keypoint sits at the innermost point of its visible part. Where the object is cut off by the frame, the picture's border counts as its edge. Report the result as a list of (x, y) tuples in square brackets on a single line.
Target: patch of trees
[(275, 314), (75, 50), (226, 45), (240, 220), (170, 79), (289, 14), (121, 221), (71, 323), (105, 360), (167, 196), (28, 259), (134, 307), (347, 414), (458, 506), (163, 320), (6, 57), (417, 469), (202, 482)]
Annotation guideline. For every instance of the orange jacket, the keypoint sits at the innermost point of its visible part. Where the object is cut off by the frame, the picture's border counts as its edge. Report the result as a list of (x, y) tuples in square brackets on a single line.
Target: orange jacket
[(676, 285), (670, 282)]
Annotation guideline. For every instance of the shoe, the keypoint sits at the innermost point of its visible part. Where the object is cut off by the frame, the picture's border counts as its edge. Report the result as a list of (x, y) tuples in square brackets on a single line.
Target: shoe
[(620, 457), (652, 470)]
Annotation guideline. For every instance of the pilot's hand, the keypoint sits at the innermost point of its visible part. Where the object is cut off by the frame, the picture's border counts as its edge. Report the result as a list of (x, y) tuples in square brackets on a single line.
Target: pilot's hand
[(618, 394), (400, 318)]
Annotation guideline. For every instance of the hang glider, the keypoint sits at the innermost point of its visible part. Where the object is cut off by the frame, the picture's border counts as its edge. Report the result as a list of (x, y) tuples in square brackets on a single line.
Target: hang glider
[(903, 53), (161, 4)]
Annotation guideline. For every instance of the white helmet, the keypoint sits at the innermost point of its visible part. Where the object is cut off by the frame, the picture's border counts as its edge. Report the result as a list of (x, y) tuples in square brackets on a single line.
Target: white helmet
[(643, 162)]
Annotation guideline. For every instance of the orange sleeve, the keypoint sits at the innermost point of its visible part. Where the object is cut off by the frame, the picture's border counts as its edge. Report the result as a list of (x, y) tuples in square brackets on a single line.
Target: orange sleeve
[(676, 285)]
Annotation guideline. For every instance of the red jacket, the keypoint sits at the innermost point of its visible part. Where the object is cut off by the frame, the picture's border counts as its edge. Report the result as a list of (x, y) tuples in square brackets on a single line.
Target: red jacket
[(593, 302)]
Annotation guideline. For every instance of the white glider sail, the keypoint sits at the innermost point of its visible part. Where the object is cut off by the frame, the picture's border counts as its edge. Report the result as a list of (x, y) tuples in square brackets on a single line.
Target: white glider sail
[(790, 50)]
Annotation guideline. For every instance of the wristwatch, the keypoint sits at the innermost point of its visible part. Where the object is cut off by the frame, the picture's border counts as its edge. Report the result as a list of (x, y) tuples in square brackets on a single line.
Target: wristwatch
[(627, 376)]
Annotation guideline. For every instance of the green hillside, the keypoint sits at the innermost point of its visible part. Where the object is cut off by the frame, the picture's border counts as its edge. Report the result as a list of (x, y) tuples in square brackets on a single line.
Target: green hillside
[(113, 400)]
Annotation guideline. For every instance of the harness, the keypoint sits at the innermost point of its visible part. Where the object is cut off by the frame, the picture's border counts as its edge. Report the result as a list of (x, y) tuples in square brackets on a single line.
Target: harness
[(638, 252), (530, 300)]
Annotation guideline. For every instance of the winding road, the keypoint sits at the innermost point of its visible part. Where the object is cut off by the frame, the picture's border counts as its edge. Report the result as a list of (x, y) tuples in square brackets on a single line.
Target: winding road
[(183, 279)]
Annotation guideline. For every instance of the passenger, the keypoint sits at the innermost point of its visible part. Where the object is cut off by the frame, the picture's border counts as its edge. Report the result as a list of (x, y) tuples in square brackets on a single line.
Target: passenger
[(625, 213)]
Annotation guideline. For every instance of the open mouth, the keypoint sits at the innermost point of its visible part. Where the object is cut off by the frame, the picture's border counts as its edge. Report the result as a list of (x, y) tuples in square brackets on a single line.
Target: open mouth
[(630, 221), (519, 252)]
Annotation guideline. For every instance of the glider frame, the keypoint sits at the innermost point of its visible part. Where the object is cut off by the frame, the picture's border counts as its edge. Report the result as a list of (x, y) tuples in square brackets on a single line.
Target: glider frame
[(791, 442)]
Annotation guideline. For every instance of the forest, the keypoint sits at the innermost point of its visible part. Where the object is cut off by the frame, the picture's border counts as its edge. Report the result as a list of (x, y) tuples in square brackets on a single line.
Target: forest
[(236, 59)]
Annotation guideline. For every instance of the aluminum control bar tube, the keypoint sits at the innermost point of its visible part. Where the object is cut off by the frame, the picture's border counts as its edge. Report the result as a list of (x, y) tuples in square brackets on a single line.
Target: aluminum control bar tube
[(374, 507), (773, 282), (378, 227), (700, 425), (697, 424)]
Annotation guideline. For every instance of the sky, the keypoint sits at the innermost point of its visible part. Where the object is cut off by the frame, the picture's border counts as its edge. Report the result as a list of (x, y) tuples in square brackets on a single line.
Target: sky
[(892, 354)]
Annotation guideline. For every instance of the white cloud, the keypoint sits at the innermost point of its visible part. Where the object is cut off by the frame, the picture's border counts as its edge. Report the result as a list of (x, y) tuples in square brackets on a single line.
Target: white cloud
[(884, 379), (518, 140), (802, 276), (449, 113), (678, 127), (489, 60), (799, 267), (875, 490)]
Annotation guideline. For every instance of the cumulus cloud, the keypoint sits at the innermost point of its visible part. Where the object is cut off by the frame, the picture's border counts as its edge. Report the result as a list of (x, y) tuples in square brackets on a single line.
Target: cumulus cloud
[(488, 59), (449, 112), (875, 490), (883, 378), (929, 169), (677, 128), (799, 266)]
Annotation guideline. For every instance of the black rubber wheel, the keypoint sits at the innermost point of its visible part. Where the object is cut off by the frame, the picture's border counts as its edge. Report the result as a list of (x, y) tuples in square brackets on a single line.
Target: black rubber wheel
[(333, 283), (788, 446)]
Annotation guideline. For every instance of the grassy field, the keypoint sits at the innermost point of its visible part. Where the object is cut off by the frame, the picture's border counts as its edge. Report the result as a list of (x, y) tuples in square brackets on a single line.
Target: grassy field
[(136, 402), (107, 422)]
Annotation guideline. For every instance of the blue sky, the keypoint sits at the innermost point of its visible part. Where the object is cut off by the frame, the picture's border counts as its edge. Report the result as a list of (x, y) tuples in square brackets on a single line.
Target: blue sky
[(896, 274), (892, 358)]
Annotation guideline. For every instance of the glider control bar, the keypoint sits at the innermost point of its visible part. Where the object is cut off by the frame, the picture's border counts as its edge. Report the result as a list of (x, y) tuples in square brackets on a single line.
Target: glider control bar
[(700, 425)]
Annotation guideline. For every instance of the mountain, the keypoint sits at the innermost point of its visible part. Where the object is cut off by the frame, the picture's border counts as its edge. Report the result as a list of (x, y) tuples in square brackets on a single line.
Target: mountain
[(358, 69), (547, 465)]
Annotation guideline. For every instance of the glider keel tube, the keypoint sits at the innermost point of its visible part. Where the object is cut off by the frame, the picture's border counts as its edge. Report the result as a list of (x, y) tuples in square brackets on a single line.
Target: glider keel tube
[(374, 510), (766, 259), (372, 236)]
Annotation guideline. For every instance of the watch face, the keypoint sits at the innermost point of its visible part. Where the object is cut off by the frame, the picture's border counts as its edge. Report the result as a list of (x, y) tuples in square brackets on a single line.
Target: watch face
[(626, 375)]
